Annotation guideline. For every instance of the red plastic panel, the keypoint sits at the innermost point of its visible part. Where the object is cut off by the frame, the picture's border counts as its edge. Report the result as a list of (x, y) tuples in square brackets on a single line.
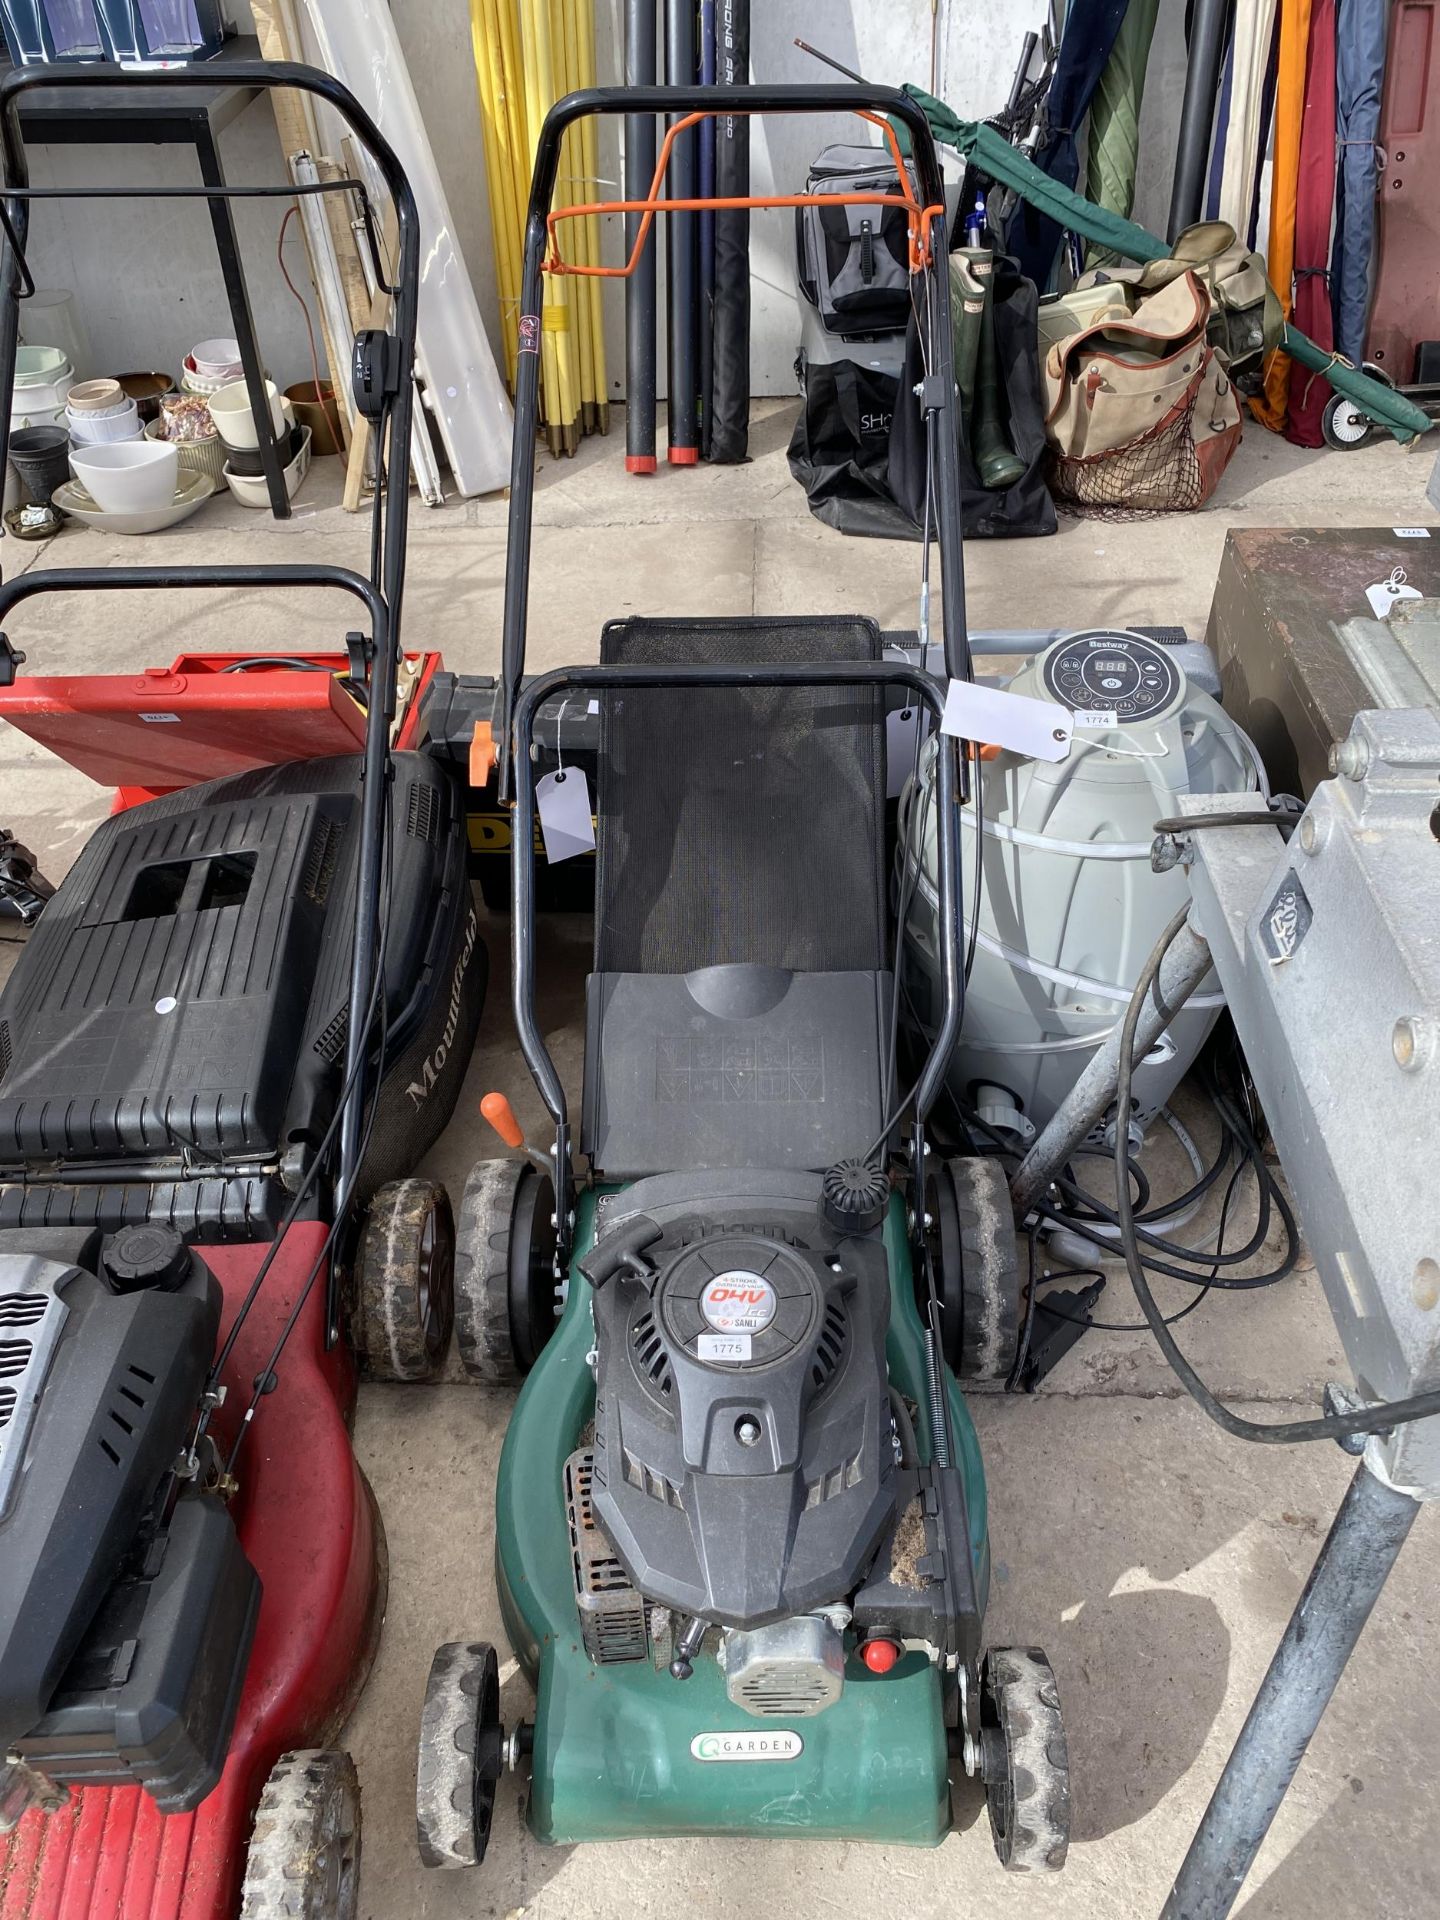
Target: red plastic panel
[(309, 1524), (192, 721)]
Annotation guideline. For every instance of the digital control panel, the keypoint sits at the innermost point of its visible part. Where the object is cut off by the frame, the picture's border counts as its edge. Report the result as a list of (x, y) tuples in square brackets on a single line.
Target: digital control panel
[(1115, 673)]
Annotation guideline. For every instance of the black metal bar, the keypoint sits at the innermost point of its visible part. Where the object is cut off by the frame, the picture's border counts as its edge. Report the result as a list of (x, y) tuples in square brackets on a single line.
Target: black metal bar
[(632, 101), (237, 292), (1197, 113), (705, 236), (640, 287), (1345, 1582), (943, 416), (681, 257), (388, 573), (842, 673), (26, 586)]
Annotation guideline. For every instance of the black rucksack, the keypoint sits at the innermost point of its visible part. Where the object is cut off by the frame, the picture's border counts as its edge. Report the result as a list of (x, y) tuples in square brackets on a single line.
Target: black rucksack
[(853, 261)]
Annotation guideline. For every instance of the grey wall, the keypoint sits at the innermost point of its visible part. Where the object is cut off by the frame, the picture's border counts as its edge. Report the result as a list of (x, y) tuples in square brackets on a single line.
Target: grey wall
[(145, 276)]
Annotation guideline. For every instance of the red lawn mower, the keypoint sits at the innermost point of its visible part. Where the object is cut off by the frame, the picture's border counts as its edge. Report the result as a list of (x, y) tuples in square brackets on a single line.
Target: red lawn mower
[(236, 1026)]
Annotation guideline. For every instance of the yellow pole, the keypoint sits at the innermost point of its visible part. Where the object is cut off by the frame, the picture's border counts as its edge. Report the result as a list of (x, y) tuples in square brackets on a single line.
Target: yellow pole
[(485, 41)]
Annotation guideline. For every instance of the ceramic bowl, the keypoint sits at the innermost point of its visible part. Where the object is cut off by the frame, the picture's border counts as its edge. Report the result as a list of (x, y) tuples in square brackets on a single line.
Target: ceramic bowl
[(250, 489), (234, 421), (95, 429), (147, 390), (133, 477), (191, 493), (214, 359), (95, 396), (245, 461)]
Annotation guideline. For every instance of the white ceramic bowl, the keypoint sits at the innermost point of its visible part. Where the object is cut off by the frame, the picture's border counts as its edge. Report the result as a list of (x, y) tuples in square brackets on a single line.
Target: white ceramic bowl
[(132, 477), (250, 489), (96, 396), (90, 429), (192, 492), (39, 363), (215, 357), (234, 421)]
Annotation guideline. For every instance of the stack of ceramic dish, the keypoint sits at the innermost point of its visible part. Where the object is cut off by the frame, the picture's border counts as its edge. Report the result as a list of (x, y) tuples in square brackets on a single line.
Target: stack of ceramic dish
[(97, 413), (43, 378), (131, 487), (246, 479), (211, 364)]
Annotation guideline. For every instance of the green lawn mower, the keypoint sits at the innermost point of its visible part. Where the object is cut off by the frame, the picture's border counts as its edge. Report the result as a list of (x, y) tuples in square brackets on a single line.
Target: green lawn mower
[(742, 1544)]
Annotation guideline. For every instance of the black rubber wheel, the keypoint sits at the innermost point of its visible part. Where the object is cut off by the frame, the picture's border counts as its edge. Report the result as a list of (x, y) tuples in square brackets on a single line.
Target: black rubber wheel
[(504, 1270), (405, 1282), (462, 1755), (304, 1856), (977, 1267), (1024, 1761)]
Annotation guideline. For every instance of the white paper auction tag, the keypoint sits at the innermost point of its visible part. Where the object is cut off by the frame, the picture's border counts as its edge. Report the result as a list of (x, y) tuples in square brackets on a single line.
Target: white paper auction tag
[(1385, 593), (1096, 718), (563, 802), (1411, 533), (993, 717)]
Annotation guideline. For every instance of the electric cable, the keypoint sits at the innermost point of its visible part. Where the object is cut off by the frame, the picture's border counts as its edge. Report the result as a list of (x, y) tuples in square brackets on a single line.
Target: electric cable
[(1366, 1420)]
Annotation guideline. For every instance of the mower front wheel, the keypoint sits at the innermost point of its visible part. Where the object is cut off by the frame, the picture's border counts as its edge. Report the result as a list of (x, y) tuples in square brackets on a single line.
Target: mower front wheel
[(504, 1270), (462, 1755), (405, 1282), (1024, 1761), (304, 1857)]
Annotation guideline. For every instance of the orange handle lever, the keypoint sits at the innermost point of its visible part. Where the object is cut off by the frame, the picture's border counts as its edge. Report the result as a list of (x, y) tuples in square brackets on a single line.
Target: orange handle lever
[(497, 1110)]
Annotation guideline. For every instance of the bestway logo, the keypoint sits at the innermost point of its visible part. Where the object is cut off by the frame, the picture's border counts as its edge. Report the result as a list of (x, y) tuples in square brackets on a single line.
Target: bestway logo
[(779, 1745)]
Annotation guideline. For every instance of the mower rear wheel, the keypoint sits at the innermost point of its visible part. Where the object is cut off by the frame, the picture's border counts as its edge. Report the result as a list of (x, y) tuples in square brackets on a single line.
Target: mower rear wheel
[(1024, 1760), (405, 1282), (462, 1755), (504, 1270), (304, 1857), (977, 1268)]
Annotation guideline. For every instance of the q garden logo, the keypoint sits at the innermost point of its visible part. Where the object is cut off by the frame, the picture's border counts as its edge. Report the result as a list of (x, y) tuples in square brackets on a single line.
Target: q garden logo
[(776, 1745)]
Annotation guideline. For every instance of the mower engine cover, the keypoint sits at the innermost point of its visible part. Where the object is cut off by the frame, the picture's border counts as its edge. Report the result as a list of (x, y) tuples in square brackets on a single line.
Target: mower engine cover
[(179, 1018), (126, 1604), (744, 1458)]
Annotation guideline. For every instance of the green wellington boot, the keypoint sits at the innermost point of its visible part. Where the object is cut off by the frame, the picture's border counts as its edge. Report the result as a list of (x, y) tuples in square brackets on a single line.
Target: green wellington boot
[(999, 468), (967, 312)]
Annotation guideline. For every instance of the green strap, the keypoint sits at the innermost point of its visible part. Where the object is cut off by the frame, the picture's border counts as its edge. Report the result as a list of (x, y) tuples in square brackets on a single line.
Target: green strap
[(994, 155)]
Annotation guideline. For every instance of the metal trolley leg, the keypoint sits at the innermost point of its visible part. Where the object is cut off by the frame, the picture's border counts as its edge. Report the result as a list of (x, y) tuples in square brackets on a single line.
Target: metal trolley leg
[(1345, 1582), (236, 291)]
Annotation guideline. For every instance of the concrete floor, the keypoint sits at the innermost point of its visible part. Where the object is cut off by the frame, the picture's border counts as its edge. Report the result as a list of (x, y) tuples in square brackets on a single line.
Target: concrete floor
[(1156, 1560)]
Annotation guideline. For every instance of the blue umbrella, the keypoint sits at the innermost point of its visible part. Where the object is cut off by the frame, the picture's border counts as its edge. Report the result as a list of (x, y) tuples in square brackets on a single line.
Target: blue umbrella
[(1089, 37), (1359, 76)]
